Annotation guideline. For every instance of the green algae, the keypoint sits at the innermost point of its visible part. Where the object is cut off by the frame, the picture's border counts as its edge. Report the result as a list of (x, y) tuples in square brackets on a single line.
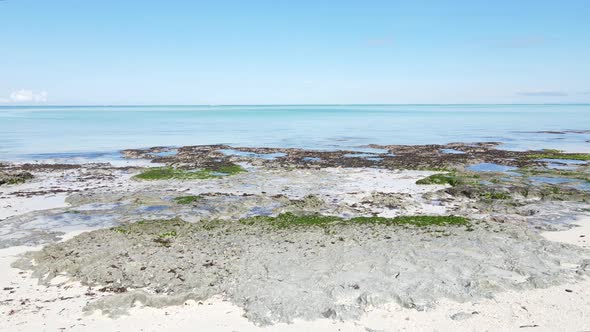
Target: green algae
[(170, 173), (14, 181), (441, 179), (185, 200), (163, 231), (120, 230), (578, 175), (230, 169), (156, 227), (495, 195), (419, 221), (291, 220), (451, 179), (559, 155), (14, 178), (168, 234), (552, 151)]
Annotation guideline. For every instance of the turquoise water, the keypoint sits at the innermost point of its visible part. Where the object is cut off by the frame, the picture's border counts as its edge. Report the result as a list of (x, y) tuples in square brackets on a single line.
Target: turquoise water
[(46, 132)]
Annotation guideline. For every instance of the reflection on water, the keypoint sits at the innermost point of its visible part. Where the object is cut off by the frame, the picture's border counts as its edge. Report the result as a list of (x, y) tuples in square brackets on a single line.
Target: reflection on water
[(358, 155), (267, 156), (490, 167), (551, 180), (451, 151), (75, 132)]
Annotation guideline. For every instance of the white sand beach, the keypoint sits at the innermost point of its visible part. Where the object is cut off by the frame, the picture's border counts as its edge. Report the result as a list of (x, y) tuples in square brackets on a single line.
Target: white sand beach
[(33, 307)]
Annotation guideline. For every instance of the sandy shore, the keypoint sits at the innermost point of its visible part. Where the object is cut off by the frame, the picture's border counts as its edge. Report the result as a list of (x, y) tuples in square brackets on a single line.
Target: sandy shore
[(516, 279), (560, 308)]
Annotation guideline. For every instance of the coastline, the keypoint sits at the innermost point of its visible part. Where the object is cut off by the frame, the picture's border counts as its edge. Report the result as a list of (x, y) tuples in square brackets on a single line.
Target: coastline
[(341, 185), (548, 309)]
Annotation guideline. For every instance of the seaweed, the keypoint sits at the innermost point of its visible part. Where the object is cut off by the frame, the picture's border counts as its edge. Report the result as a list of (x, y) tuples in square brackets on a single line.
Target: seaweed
[(495, 195), (291, 220), (559, 155), (170, 173), (185, 200), (449, 179)]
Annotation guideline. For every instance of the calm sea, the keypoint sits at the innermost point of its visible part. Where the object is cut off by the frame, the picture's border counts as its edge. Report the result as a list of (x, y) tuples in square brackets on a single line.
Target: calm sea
[(49, 132)]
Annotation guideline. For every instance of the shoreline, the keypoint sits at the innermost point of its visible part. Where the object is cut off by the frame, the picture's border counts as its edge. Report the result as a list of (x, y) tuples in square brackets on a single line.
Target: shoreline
[(92, 198), (548, 309), (120, 157)]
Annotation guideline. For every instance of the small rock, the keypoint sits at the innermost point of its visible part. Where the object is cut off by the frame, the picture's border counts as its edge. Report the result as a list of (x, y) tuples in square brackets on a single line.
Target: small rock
[(330, 313), (463, 315)]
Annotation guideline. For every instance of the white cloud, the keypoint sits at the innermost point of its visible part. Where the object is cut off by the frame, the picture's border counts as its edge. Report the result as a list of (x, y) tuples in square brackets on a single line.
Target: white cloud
[(25, 96)]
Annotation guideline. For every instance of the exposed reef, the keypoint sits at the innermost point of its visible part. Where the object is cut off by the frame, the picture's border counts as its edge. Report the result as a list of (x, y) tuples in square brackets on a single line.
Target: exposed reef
[(309, 267), (386, 156), (169, 173), (293, 233), (7, 178)]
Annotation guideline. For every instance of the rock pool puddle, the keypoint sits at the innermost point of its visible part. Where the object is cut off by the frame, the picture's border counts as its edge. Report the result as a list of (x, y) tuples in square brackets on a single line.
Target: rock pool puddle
[(494, 168), (562, 164), (312, 159), (47, 226), (567, 182), (166, 153), (451, 151), (97, 206), (359, 155), (367, 156), (265, 156), (551, 180), (66, 222), (154, 209)]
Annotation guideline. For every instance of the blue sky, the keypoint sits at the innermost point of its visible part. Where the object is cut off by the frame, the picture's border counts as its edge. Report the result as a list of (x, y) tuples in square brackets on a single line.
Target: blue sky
[(294, 52)]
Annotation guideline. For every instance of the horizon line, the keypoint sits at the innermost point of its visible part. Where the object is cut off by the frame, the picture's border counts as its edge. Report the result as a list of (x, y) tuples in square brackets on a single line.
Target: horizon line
[(321, 104)]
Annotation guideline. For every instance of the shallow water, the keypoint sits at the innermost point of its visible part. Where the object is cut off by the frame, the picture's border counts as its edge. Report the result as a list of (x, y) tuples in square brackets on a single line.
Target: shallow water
[(168, 153), (490, 167), (71, 222), (359, 155), (98, 132), (561, 166), (564, 161), (152, 209), (582, 186), (451, 151), (266, 156), (312, 159), (552, 180)]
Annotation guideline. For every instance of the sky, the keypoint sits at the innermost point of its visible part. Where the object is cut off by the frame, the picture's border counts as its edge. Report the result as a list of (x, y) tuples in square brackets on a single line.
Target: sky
[(74, 52)]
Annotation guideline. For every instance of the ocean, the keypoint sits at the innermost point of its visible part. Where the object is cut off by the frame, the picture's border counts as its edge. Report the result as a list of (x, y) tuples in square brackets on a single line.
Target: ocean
[(43, 132)]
